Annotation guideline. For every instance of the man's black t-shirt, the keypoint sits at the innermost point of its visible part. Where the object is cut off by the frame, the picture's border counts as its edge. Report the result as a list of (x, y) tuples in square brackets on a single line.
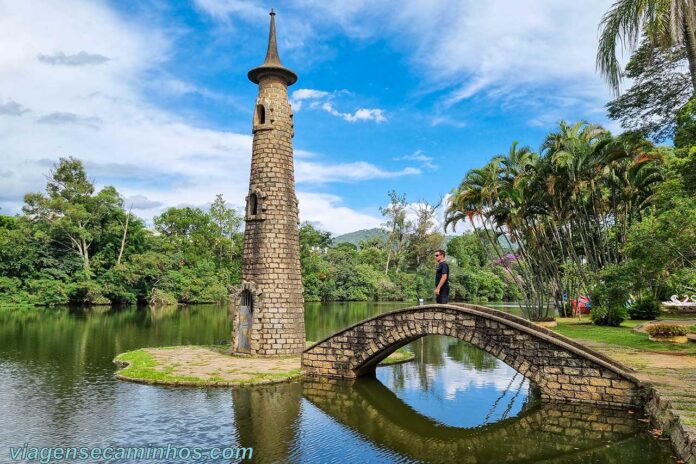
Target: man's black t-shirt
[(442, 268)]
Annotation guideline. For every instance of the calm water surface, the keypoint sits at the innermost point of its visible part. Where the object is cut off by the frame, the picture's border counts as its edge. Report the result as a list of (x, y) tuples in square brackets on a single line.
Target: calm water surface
[(454, 403)]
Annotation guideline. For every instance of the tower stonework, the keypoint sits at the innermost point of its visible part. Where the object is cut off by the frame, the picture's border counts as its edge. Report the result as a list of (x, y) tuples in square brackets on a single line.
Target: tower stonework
[(270, 316)]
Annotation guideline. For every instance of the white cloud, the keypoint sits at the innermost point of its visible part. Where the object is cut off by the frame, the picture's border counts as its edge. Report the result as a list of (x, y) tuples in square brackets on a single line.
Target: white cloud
[(419, 156), (223, 9), (320, 99), (70, 102), (60, 117), (77, 59), (499, 49), (12, 108), (300, 95), (366, 114), (329, 212), (447, 121), (315, 172), (362, 114), (141, 202)]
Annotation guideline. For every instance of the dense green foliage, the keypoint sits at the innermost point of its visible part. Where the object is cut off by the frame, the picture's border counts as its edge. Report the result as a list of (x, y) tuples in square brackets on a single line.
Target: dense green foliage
[(660, 88), (398, 264), (611, 316), (591, 214), (663, 23), (646, 309), (75, 245)]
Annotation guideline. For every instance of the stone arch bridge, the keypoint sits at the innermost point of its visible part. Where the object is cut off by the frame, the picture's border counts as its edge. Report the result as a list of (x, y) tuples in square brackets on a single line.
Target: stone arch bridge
[(564, 370)]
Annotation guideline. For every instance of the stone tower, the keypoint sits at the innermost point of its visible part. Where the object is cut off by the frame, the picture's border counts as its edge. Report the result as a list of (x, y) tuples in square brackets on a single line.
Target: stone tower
[(270, 316)]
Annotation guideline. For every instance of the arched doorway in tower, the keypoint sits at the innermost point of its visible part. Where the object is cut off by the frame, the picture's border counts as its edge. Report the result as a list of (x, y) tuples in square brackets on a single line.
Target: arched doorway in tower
[(244, 322)]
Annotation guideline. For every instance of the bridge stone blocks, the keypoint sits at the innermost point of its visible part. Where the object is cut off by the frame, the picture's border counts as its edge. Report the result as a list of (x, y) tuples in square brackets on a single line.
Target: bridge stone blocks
[(562, 369)]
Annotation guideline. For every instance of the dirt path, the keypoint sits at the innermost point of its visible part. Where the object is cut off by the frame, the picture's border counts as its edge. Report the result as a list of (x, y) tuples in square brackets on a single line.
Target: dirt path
[(207, 364)]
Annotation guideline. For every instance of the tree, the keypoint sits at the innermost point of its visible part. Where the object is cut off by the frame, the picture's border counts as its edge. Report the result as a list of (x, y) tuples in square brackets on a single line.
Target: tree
[(423, 238), (557, 219), (396, 228), (75, 217), (226, 224), (666, 23), (660, 88), (188, 231)]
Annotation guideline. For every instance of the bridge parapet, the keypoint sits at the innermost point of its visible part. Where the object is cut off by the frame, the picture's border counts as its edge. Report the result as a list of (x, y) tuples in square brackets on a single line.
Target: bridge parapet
[(561, 368)]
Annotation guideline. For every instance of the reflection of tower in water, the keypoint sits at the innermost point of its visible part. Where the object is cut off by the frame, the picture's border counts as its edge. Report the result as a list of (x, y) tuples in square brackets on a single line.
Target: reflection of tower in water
[(266, 419)]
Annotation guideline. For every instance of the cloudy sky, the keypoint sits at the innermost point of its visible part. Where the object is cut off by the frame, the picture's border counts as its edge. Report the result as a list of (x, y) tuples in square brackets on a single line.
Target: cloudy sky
[(152, 94)]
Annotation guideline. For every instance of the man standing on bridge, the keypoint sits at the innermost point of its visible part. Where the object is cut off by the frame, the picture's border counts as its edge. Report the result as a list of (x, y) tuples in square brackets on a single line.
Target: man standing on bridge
[(441, 278)]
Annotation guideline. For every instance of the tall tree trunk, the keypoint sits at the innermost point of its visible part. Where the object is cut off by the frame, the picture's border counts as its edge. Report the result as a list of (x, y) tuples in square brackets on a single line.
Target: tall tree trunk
[(84, 248), (123, 240), (690, 43)]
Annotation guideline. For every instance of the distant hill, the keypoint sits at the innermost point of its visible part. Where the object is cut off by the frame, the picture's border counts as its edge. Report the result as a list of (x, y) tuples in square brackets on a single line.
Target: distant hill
[(365, 234), (359, 235)]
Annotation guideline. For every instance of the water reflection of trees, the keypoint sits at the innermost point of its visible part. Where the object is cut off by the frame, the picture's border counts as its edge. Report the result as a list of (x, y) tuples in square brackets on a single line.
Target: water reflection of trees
[(323, 319), (431, 353), (64, 345)]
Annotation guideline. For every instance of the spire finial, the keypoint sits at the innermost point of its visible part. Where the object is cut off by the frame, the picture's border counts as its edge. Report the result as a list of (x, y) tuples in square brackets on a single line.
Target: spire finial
[(272, 57), (272, 64)]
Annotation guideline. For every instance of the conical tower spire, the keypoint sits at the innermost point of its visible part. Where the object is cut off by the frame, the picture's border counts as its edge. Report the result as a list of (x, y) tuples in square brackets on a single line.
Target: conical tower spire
[(272, 65)]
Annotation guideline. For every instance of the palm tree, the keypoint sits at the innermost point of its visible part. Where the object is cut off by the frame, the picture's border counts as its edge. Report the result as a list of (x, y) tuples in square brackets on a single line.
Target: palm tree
[(665, 23), (565, 212)]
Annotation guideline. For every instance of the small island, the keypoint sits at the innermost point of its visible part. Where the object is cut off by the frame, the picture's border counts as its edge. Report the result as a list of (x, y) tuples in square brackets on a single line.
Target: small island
[(214, 366)]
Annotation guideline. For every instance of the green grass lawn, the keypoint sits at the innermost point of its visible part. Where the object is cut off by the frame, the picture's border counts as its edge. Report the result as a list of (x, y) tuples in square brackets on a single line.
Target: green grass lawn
[(621, 336), (142, 366)]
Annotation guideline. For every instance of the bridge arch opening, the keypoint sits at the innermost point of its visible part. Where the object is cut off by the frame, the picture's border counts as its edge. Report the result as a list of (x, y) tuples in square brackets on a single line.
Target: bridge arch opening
[(392, 340), (456, 384)]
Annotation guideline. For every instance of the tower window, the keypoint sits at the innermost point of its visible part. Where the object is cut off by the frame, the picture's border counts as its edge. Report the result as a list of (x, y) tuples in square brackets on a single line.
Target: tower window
[(260, 114), (253, 204)]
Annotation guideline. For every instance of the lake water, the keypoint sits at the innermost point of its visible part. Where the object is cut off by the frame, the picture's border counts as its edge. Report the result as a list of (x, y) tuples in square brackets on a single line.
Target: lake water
[(454, 403)]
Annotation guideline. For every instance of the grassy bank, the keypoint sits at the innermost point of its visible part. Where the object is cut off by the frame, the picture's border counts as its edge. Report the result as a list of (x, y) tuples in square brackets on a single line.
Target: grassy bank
[(623, 336)]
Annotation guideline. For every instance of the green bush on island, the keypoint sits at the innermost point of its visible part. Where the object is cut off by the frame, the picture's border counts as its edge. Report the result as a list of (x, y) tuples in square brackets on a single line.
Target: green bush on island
[(646, 309), (667, 330)]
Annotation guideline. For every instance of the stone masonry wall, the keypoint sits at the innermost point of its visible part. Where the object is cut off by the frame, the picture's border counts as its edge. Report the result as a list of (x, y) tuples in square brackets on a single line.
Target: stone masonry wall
[(271, 242), (562, 369)]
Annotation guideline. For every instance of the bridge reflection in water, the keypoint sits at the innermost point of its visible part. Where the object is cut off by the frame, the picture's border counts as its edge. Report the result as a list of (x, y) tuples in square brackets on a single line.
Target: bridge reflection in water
[(406, 415), (568, 432)]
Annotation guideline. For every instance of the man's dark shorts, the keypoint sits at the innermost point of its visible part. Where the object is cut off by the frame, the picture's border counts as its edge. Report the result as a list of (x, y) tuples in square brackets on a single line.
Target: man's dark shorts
[(443, 297)]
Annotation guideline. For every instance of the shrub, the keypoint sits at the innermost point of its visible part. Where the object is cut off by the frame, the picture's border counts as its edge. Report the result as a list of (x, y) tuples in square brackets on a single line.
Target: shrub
[(87, 292), (692, 329), (685, 125), (646, 309), (611, 316), (609, 297), (47, 292), (667, 330), (161, 298)]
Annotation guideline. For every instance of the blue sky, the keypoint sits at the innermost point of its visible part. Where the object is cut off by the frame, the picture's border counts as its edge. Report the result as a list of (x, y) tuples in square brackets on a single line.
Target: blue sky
[(153, 95)]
